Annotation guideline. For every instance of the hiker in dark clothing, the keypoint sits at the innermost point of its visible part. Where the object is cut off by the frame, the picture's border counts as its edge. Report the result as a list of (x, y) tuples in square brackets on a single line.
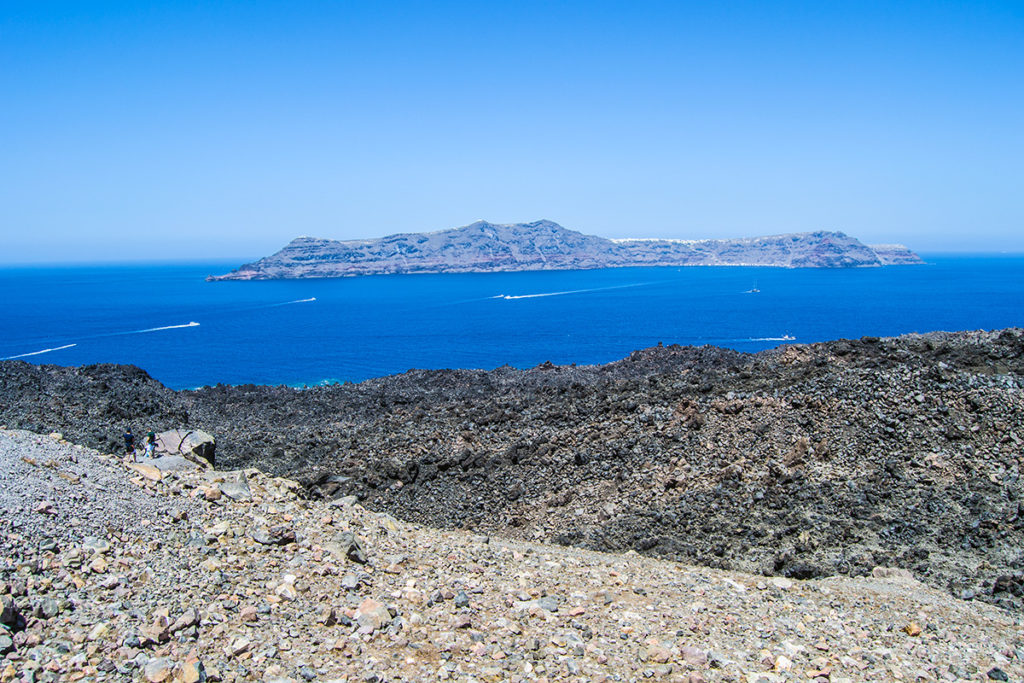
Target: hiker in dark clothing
[(129, 443)]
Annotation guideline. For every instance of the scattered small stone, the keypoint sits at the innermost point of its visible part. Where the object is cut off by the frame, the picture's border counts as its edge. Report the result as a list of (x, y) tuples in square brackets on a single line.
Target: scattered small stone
[(236, 487), (92, 544), (238, 646), (371, 615), (286, 591), (187, 620), (99, 631), (8, 611), (347, 545), (193, 671), (158, 670), (548, 603), (277, 535), (47, 608), (693, 656), (892, 573)]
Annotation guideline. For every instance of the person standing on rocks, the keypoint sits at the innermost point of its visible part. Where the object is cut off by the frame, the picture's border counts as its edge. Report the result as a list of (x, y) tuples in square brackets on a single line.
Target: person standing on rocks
[(151, 445), (129, 443)]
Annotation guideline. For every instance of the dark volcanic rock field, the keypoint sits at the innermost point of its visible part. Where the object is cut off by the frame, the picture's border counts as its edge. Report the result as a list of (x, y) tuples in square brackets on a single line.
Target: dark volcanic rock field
[(802, 461)]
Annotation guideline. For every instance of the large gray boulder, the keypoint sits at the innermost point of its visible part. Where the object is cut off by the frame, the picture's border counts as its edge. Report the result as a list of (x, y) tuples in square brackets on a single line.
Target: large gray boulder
[(192, 444)]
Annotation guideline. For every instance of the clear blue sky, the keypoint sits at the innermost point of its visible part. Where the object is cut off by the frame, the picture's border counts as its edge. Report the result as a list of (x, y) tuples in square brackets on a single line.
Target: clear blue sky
[(204, 129)]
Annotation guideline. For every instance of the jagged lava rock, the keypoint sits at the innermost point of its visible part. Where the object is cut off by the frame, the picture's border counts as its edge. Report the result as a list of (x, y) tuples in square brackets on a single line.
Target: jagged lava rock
[(805, 461)]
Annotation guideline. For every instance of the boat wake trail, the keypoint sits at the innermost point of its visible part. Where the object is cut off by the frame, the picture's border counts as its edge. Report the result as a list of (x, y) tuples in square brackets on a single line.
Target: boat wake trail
[(297, 301), (36, 353), (719, 341), (103, 336), (511, 297), (159, 329)]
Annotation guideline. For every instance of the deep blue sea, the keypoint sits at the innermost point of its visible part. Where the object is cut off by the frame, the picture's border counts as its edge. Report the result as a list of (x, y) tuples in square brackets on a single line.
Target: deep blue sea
[(187, 332)]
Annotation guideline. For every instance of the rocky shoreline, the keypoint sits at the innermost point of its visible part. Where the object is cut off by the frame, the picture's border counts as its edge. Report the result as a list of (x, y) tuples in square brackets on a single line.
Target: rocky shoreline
[(801, 462), (160, 573)]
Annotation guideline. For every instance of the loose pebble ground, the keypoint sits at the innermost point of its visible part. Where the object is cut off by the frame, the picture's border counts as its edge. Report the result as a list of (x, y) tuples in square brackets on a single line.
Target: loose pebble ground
[(112, 573)]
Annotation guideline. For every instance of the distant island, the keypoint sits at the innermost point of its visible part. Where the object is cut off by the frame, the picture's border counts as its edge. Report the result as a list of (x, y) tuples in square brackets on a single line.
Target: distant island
[(483, 247)]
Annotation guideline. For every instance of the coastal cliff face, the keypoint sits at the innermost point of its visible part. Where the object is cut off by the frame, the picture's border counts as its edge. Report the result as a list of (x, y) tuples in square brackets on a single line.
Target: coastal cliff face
[(895, 255), (804, 461), (544, 245)]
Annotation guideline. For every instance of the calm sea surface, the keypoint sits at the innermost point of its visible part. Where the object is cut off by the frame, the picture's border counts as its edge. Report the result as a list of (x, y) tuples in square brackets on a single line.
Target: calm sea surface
[(187, 332)]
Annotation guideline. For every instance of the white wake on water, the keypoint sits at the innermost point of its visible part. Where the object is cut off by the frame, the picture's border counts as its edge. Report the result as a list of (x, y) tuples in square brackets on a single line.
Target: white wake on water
[(158, 329), (101, 336), (36, 353), (510, 297), (289, 303)]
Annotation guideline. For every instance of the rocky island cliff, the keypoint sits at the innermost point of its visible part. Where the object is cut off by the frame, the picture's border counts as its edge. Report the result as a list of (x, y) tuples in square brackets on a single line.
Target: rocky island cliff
[(545, 245)]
